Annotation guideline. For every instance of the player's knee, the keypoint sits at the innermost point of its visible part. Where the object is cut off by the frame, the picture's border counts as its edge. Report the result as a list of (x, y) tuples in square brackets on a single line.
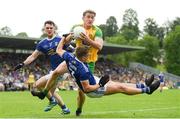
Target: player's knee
[(34, 85), (37, 85), (122, 88), (56, 73)]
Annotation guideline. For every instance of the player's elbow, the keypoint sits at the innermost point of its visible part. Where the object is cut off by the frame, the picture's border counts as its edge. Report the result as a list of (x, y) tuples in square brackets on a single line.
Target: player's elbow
[(59, 51), (99, 43), (99, 47)]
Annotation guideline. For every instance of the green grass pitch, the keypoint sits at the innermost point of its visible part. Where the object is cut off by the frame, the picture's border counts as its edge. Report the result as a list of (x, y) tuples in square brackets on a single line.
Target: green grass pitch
[(157, 105)]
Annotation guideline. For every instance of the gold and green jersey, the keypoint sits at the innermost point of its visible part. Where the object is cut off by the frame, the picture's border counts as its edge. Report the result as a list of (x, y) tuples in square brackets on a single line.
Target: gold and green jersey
[(93, 32)]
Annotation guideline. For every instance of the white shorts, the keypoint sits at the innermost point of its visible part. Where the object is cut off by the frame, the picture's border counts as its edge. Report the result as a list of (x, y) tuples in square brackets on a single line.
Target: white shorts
[(162, 83), (97, 93), (59, 78)]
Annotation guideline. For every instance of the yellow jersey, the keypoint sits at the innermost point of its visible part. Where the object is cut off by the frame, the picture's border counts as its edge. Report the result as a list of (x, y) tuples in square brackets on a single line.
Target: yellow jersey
[(93, 32)]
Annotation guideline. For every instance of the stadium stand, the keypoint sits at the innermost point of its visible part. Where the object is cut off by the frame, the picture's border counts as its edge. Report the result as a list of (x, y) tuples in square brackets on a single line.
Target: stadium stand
[(14, 50), (18, 80)]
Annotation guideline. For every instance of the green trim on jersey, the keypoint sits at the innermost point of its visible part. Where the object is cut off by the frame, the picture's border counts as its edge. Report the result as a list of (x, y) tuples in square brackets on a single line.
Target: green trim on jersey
[(98, 32), (91, 66)]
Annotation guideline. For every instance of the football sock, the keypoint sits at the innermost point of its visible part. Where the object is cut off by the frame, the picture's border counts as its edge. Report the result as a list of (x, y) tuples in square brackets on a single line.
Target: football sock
[(79, 109), (51, 99), (145, 90), (140, 85), (63, 107)]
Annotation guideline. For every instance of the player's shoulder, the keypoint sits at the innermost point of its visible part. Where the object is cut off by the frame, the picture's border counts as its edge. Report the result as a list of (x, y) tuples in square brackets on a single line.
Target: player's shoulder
[(42, 40), (58, 37), (98, 31), (83, 67)]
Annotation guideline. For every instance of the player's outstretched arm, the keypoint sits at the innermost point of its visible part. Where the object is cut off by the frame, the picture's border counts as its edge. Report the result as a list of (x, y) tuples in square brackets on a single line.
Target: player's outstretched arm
[(59, 48), (63, 41), (29, 59)]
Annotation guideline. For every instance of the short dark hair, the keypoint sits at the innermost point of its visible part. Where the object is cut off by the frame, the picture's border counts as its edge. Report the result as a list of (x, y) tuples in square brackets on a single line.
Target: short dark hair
[(89, 11), (49, 22), (81, 51)]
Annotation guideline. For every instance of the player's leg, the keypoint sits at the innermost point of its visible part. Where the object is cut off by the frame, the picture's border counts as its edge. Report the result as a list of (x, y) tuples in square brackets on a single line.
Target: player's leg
[(148, 82), (116, 87), (81, 96), (60, 70), (40, 84), (53, 102), (80, 102), (60, 101)]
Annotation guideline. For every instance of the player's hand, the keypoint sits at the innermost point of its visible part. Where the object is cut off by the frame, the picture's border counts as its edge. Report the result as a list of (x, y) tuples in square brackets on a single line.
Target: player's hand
[(83, 36), (85, 39), (20, 65), (103, 80), (68, 37)]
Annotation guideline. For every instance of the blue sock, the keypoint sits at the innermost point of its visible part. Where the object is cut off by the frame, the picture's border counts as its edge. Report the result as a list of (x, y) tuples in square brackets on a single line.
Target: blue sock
[(63, 107), (52, 99), (145, 90), (140, 85)]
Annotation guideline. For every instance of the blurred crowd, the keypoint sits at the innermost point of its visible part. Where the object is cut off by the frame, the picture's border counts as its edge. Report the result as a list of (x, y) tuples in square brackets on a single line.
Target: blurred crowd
[(26, 76), (123, 74), (18, 80)]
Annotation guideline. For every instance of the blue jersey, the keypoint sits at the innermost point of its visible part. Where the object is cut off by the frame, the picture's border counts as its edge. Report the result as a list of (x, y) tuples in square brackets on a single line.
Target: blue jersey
[(78, 70), (48, 47), (161, 77)]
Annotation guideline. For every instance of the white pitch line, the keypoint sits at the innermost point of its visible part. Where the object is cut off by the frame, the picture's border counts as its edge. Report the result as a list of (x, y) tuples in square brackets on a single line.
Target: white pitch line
[(138, 110), (88, 118), (105, 112)]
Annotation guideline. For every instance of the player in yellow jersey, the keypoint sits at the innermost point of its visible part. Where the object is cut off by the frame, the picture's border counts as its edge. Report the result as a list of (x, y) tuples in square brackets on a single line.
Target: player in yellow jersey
[(31, 81), (93, 39)]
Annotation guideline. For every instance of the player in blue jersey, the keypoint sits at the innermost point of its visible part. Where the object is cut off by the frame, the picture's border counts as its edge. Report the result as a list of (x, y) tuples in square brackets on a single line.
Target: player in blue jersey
[(161, 79), (92, 87), (48, 46)]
